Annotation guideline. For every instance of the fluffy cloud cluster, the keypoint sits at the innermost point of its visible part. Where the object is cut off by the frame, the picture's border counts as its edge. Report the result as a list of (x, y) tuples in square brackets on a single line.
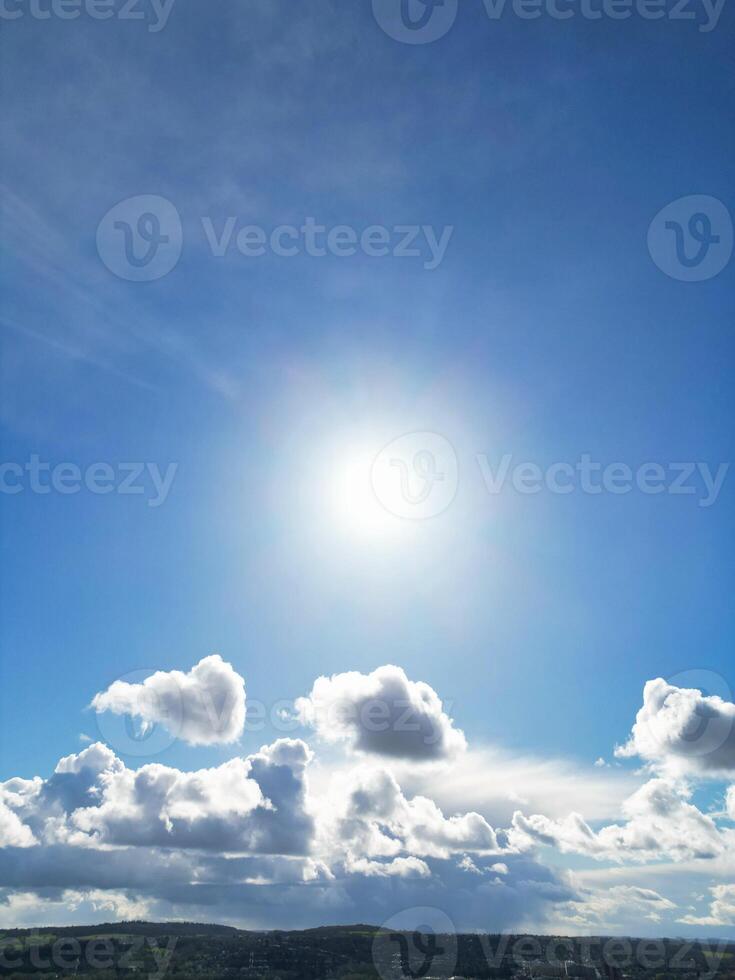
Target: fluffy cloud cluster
[(204, 707), (369, 816), (598, 909), (69, 906), (13, 832), (251, 841), (246, 841), (683, 731), (254, 805), (660, 822), (248, 837), (382, 713), (722, 909)]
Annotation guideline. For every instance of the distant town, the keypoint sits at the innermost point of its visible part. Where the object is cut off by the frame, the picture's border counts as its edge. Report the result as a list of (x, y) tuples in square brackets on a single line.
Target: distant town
[(359, 952)]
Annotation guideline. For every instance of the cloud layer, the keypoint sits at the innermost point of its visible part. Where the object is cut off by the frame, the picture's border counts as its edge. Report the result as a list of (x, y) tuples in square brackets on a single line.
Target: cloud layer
[(252, 841), (247, 842)]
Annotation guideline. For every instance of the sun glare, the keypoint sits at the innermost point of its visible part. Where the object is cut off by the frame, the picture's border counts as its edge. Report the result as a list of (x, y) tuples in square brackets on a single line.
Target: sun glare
[(353, 500)]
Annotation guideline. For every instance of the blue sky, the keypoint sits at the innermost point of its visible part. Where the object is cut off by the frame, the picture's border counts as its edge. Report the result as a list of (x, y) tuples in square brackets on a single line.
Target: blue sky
[(546, 332)]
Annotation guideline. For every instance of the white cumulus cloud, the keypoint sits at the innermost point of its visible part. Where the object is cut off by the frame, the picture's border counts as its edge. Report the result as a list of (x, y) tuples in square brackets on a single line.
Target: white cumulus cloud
[(683, 731), (204, 707), (278, 837), (368, 815), (660, 822), (13, 832), (722, 909), (615, 908), (382, 713)]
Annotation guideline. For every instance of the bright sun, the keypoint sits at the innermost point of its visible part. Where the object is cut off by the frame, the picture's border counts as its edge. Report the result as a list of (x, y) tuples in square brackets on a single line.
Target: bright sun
[(353, 500)]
